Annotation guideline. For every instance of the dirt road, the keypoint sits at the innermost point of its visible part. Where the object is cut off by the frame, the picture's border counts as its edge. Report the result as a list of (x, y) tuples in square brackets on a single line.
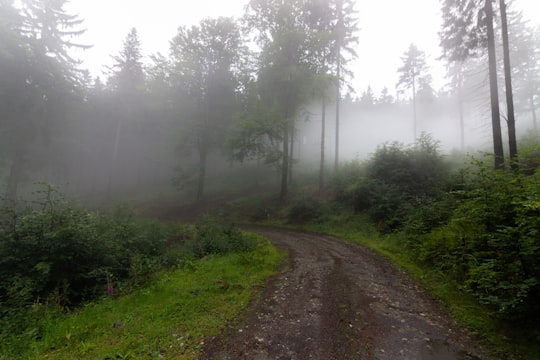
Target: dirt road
[(340, 301)]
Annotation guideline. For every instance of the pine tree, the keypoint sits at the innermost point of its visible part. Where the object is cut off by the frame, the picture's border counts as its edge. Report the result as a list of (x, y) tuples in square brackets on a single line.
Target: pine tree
[(414, 76), (127, 75), (127, 83), (42, 79)]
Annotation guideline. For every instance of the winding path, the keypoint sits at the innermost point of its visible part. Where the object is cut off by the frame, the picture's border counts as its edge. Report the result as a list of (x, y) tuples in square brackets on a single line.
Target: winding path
[(338, 300)]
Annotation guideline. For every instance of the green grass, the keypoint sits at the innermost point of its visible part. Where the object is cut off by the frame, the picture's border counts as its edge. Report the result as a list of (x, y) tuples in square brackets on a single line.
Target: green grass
[(170, 317)]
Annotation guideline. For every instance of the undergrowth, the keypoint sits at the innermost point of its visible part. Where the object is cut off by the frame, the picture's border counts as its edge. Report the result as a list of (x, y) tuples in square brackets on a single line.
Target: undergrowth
[(57, 257), (170, 317)]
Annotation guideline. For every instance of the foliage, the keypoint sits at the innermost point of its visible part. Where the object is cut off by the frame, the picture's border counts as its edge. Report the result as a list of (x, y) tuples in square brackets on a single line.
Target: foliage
[(38, 77), (53, 252), (210, 238), (168, 317), (57, 255), (490, 244), (307, 209), (413, 72), (395, 181), (206, 61)]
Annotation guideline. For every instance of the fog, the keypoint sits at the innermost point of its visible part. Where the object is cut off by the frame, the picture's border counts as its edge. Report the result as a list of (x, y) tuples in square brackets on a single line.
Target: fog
[(166, 123)]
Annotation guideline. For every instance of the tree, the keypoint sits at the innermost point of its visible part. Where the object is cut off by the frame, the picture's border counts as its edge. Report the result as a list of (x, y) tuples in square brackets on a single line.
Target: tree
[(42, 79), (495, 112), (511, 121), (286, 66), (413, 73), (526, 67), (368, 98), (321, 19), (385, 98), (205, 60), (345, 30), (455, 72), (127, 82), (127, 75), (468, 28)]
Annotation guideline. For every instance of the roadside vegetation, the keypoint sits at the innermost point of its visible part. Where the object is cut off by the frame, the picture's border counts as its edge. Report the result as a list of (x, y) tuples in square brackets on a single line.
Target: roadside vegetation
[(468, 232), (81, 284)]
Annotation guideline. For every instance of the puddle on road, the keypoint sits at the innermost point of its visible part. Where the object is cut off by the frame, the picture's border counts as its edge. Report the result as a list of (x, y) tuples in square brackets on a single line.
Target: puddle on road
[(442, 350)]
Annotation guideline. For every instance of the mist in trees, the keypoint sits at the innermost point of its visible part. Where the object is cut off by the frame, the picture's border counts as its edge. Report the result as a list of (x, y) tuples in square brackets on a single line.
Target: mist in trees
[(269, 90)]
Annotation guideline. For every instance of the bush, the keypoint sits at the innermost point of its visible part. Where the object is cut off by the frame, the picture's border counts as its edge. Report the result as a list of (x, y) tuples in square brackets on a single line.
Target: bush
[(54, 252), (395, 181), (211, 238), (305, 210), (491, 244)]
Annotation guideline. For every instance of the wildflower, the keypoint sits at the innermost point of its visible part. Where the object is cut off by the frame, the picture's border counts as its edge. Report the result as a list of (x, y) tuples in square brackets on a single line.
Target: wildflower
[(110, 288)]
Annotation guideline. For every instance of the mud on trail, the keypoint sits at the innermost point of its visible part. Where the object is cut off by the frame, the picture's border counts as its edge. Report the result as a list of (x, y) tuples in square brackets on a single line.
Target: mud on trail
[(338, 300)]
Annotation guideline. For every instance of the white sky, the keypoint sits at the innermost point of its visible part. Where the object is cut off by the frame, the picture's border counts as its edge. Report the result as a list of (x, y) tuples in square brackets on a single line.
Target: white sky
[(387, 28)]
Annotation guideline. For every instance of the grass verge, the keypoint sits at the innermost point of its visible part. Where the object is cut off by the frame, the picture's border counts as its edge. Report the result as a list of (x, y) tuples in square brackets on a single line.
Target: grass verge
[(169, 318)]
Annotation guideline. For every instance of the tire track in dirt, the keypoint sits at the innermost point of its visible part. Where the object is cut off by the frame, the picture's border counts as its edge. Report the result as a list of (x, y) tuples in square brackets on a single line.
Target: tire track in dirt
[(338, 300)]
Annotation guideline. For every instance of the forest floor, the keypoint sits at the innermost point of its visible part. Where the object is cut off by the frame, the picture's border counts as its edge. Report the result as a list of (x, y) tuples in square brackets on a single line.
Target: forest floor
[(337, 300)]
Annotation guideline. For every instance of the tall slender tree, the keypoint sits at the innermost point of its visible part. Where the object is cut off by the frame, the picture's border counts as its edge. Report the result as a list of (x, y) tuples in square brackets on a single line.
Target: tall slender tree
[(494, 89), (526, 66), (511, 120), (321, 17), (413, 72), (346, 26), (468, 28)]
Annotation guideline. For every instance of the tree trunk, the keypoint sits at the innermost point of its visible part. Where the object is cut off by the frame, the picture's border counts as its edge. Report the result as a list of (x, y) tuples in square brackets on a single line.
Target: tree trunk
[(338, 102), (291, 156), (460, 107), (323, 135), (338, 75), (414, 104), (203, 154), (114, 157), (533, 111), (495, 111), (285, 162), (511, 122), (14, 178)]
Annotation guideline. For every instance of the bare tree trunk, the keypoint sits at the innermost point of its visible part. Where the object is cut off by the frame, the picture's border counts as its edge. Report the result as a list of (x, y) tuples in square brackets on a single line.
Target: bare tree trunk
[(511, 121), (338, 102), (495, 111), (14, 178), (291, 156), (460, 107), (414, 106), (285, 161), (338, 75), (114, 158), (202, 169), (533, 111), (323, 135)]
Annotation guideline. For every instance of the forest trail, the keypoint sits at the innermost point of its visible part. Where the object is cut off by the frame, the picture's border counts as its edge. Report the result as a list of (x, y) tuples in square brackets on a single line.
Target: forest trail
[(337, 300)]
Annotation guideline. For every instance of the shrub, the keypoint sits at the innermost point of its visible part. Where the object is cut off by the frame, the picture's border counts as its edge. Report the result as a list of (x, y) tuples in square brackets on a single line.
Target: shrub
[(211, 238), (395, 181), (491, 244), (55, 252), (305, 210)]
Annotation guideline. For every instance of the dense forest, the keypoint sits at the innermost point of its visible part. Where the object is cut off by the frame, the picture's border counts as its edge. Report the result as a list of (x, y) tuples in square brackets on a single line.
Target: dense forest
[(269, 94)]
